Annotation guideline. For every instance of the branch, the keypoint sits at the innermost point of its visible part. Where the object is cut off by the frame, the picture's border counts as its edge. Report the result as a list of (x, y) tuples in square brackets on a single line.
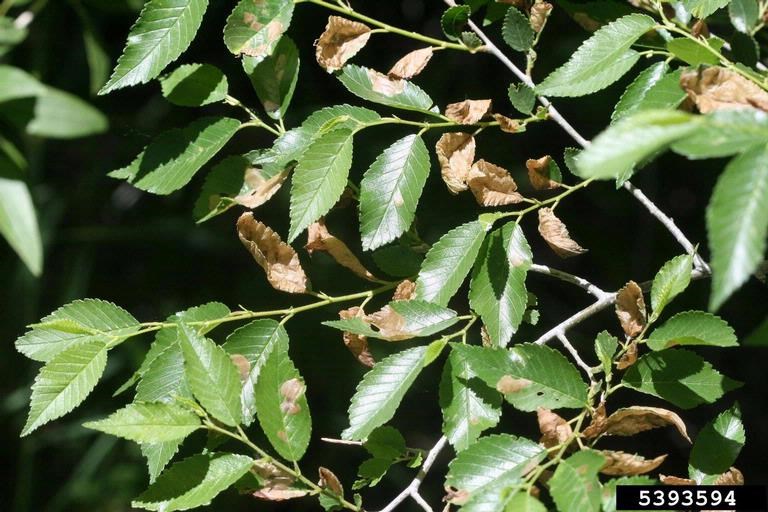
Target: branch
[(413, 488), (576, 357), (570, 278)]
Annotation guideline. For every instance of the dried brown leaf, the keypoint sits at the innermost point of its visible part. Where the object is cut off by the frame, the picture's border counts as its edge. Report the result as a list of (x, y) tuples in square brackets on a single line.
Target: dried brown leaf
[(456, 152), (492, 185), (508, 384), (277, 483), (485, 338), (411, 64), (556, 235), (675, 480), (731, 477), (540, 11), (507, 124), (717, 88), (320, 239), (700, 29), (356, 343), (538, 173), (330, 481), (391, 325), (278, 259), (341, 40), (632, 420), (385, 85), (554, 429), (468, 111), (597, 424), (406, 290), (622, 463), (629, 357), (630, 309), (261, 189)]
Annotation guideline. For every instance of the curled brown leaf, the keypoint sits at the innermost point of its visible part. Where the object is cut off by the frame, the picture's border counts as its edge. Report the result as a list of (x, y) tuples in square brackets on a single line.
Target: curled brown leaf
[(411, 64), (630, 309), (278, 259), (320, 239), (507, 124), (554, 429), (277, 484), (260, 189), (717, 88), (341, 40), (329, 481), (556, 235), (621, 463), (629, 357), (731, 477), (632, 420), (468, 111), (455, 152), (540, 11), (675, 480), (357, 343), (597, 424), (492, 185), (539, 173), (385, 85), (406, 290)]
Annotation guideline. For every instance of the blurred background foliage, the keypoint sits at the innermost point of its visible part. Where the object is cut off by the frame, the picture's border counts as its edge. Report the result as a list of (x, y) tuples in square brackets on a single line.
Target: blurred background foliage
[(102, 238)]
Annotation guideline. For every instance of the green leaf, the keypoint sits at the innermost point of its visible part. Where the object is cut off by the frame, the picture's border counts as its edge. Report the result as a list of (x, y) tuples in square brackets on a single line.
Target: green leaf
[(147, 422), (717, 446), (64, 382), (600, 60), (575, 485), (193, 482), (737, 222), (633, 139), (530, 376), (759, 336), (522, 97), (158, 456), (605, 349), (390, 191), (517, 31), (255, 28), (381, 391), (281, 403), (255, 341), (61, 115), (469, 406), (78, 322), (693, 328), (274, 78), (320, 179), (745, 49), (654, 88), (448, 262), (678, 376), (670, 281), (609, 489), (691, 52), (497, 291), (454, 19), (195, 85), (225, 181), (371, 86), (165, 29), (173, 158), (704, 8), (212, 377), (18, 221), (744, 14), (725, 133), (493, 461), (165, 377), (10, 34), (385, 443), (16, 83), (398, 260)]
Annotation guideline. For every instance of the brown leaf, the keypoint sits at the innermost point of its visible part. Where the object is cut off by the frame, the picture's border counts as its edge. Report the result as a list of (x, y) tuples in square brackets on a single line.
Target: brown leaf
[(329, 481), (341, 40), (539, 173), (507, 124), (385, 85), (700, 29), (390, 324), (621, 463), (629, 357), (675, 480), (357, 343), (631, 420), (731, 477), (485, 338), (406, 290), (717, 88), (319, 239), (468, 111), (278, 259), (508, 384), (456, 152), (597, 424), (630, 309), (554, 429), (411, 64), (556, 235), (261, 189), (539, 13), (277, 483), (492, 185)]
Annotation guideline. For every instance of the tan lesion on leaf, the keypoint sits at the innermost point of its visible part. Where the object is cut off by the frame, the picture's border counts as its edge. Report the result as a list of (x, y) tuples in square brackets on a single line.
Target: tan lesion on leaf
[(390, 323), (340, 41), (357, 343), (320, 239), (539, 173), (290, 391), (260, 189), (456, 153), (468, 111), (717, 88), (555, 233), (278, 259), (277, 485), (555, 430), (507, 384), (382, 84), (411, 64), (629, 357), (406, 290), (618, 463), (492, 185), (243, 366), (630, 309)]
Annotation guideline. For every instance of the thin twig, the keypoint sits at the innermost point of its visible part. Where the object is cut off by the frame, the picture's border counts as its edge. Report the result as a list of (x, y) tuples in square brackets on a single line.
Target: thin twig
[(341, 441), (576, 357), (570, 278), (413, 488)]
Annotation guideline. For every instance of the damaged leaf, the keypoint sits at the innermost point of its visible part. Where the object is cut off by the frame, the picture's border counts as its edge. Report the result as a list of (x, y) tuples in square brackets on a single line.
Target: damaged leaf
[(320, 239), (630, 309), (621, 463), (556, 235), (492, 185), (543, 173), (340, 42), (357, 343), (455, 152), (554, 429), (411, 64), (717, 88), (468, 111), (632, 420)]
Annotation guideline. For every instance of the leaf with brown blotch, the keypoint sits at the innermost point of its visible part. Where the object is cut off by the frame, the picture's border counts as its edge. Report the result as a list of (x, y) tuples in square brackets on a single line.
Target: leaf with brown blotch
[(243, 366), (554, 429), (539, 13), (539, 175), (507, 124), (627, 464), (492, 185), (508, 384), (597, 424), (385, 85), (320, 239), (455, 152), (330, 481), (278, 259), (675, 480), (630, 309), (260, 190), (341, 40), (277, 484), (629, 357), (391, 325), (731, 477), (485, 338), (411, 64), (357, 343), (632, 420), (556, 235), (406, 290), (468, 111), (291, 390), (717, 88)]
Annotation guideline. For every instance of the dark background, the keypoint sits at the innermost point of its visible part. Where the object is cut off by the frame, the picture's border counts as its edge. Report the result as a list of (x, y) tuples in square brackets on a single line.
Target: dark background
[(105, 239)]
